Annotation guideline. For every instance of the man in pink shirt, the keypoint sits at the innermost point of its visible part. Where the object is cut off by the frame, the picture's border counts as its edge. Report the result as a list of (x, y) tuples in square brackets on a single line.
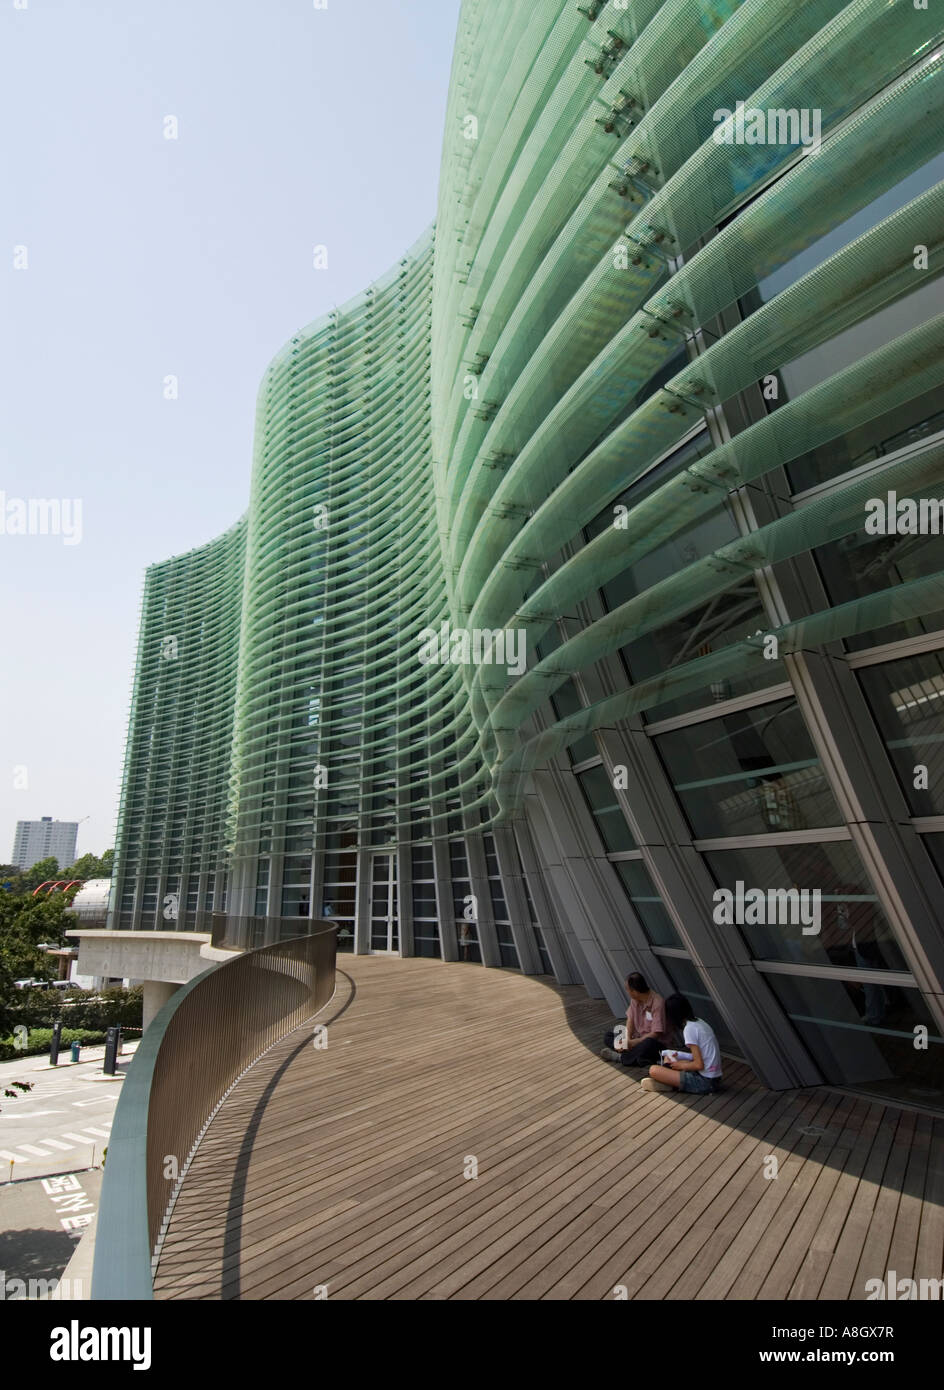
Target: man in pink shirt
[(641, 1039)]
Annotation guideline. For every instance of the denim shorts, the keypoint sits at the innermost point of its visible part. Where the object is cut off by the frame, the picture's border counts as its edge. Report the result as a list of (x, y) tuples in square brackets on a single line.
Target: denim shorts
[(694, 1082)]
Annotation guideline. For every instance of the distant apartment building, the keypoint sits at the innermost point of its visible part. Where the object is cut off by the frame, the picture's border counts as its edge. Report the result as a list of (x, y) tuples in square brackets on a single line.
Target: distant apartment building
[(38, 839)]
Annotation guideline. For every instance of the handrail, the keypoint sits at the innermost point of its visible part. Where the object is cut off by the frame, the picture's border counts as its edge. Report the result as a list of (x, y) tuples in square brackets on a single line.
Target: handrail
[(190, 1057)]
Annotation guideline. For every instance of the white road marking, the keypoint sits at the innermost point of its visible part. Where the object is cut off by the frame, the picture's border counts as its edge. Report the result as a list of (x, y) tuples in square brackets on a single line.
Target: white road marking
[(57, 1144), (32, 1115), (104, 1133), (10, 1158), (32, 1149), (79, 1138), (99, 1100)]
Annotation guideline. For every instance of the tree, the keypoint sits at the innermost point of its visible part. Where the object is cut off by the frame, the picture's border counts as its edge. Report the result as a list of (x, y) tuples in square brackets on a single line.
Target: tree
[(91, 866), (26, 921), (42, 870)]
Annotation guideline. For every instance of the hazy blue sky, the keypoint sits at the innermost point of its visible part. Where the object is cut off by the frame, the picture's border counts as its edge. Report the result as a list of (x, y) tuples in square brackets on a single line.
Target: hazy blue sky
[(149, 257)]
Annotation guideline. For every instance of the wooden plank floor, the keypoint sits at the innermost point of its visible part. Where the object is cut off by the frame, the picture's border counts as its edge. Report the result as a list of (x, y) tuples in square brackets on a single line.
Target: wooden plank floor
[(460, 1138)]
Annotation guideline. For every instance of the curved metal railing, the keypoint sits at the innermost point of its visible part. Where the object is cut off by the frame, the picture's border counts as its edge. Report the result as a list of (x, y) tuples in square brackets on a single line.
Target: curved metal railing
[(189, 1059)]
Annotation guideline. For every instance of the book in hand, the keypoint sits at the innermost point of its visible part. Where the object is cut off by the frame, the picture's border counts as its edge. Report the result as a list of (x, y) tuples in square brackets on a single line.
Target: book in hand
[(673, 1055)]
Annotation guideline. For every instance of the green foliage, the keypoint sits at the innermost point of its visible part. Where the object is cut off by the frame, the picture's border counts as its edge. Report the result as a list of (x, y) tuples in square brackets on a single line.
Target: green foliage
[(42, 870), (40, 1040), (98, 1009), (27, 921), (90, 866)]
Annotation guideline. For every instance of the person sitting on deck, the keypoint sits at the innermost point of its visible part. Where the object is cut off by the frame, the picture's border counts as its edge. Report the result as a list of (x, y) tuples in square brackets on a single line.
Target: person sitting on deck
[(698, 1076), (644, 1034)]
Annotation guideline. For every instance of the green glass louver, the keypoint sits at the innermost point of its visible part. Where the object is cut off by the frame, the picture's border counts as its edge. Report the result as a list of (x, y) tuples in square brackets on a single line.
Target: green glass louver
[(431, 453)]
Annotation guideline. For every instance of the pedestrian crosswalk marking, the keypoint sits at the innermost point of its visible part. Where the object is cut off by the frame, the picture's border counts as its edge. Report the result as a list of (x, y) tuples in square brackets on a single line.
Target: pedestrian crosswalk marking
[(29, 1153)]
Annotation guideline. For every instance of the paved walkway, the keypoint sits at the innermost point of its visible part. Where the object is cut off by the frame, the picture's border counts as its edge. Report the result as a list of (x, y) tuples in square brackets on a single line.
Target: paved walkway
[(460, 1138)]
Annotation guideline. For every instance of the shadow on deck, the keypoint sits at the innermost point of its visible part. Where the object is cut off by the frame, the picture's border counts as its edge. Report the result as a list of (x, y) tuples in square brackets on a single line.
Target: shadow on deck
[(344, 1170)]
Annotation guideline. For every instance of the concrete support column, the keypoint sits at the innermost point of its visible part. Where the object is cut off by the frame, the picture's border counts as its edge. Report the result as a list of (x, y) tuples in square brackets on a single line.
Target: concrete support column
[(156, 995)]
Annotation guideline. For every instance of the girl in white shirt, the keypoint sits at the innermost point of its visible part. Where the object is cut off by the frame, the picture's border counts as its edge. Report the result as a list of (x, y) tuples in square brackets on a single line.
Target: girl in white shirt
[(702, 1074)]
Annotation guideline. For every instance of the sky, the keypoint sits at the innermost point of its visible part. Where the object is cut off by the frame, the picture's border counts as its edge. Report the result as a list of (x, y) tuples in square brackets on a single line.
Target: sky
[(128, 258)]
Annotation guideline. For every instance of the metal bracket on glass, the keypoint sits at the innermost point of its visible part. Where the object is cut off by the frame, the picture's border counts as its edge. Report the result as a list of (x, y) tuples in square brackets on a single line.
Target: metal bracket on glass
[(522, 562), (636, 171), (690, 396), (622, 114), (608, 58), (498, 459)]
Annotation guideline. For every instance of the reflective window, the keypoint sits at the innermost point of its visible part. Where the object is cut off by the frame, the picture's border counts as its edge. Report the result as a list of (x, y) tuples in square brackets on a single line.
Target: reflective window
[(853, 931), (855, 226), (507, 949), (748, 773), (566, 701), (861, 564), (837, 1022), (907, 702), (601, 798), (935, 844), (709, 627), (915, 419), (464, 904), (546, 965), (688, 981), (425, 915), (646, 902)]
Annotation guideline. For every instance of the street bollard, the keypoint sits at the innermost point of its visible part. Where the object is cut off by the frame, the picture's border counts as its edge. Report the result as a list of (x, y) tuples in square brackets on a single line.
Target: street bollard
[(75, 1052), (111, 1051), (54, 1044)]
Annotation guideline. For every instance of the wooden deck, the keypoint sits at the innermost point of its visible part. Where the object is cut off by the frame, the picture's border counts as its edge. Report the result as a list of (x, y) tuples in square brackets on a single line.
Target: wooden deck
[(345, 1169)]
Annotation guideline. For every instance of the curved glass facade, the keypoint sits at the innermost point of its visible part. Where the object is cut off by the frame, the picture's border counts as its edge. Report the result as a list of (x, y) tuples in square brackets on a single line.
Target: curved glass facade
[(556, 623)]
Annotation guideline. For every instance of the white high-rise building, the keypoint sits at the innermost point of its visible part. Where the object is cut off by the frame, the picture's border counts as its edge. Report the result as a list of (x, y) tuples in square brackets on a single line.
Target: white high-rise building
[(38, 839)]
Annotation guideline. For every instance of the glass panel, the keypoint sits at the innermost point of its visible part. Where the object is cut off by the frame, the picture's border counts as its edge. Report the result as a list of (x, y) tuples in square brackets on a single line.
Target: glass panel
[(935, 844), (696, 448), (641, 891), (424, 900), (906, 424), (834, 1020), (854, 931), (907, 703), (861, 564), (468, 934), (546, 965), (758, 772), (726, 618), (687, 981), (855, 226), (566, 701), (601, 798)]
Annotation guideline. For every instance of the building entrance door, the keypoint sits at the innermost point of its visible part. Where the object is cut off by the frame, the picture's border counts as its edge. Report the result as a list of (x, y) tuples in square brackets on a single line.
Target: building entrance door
[(384, 927)]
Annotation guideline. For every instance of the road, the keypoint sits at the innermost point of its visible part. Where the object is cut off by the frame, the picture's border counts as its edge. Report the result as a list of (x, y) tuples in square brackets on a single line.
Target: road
[(63, 1123), (41, 1222)]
